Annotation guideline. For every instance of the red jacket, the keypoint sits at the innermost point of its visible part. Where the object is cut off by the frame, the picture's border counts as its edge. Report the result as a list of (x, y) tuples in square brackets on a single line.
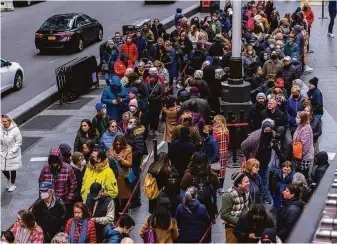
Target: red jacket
[(91, 231), (160, 80), (120, 68), (131, 50), (309, 16)]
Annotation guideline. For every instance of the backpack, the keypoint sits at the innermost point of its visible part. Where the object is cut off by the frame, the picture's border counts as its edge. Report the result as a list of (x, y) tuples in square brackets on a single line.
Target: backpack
[(205, 190), (151, 189)]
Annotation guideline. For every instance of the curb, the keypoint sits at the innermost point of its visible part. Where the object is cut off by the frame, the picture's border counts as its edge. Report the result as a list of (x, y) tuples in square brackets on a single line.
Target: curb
[(36, 105)]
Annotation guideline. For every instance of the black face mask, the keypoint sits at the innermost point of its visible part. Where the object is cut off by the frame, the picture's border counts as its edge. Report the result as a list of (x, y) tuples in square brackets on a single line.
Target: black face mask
[(268, 135), (273, 57), (296, 96)]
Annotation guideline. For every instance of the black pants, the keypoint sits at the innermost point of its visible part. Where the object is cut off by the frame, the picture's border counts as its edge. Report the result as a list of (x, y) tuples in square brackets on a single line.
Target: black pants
[(332, 20), (154, 112), (10, 175)]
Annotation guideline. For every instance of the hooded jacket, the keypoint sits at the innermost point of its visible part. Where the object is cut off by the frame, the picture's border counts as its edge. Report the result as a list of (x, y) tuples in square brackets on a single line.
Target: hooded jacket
[(114, 111), (111, 235), (135, 138), (131, 50), (63, 180), (11, 141), (108, 138), (120, 67), (102, 174), (321, 160), (192, 222), (293, 107), (51, 219)]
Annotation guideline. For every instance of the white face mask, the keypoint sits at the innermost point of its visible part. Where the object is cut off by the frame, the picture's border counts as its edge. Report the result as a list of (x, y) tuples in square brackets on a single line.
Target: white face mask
[(132, 108), (104, 110), (129, 126), (83, 163), (44, 195)]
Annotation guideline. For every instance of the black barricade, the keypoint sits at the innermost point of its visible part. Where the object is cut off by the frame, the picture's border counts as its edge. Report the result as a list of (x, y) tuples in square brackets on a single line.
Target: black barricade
[(76, 77)]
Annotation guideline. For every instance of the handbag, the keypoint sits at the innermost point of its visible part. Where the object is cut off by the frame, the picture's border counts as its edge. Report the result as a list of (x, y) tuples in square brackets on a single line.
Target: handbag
[(129, 177), (216, 166), (297, 149), (149, 236)]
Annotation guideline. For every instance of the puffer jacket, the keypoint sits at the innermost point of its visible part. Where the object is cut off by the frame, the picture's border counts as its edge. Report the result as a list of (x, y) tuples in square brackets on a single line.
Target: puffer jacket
[(321, 160), (114, 111), (108, 138), (110, 57), (11, 141), (288, 76), (135, 138), (132, 52), (210, 147), (156, 91), (111, 235), (102, 174), (293, 107), (141, 45), (81, 139), (120, 68)]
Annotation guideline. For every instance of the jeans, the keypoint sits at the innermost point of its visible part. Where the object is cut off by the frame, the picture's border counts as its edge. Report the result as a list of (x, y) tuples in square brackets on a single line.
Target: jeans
[(332, 20), (264, 177)]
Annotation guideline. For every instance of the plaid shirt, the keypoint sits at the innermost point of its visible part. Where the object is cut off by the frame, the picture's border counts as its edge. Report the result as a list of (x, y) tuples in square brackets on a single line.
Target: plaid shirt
[(36, 235), (65, 183)]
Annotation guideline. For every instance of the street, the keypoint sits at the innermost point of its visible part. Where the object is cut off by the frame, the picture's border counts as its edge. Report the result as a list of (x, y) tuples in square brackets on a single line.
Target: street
[(18, 29)]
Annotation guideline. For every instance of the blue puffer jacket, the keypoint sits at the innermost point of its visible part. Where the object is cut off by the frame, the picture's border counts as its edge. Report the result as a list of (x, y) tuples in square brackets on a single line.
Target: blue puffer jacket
[(192, 222), (292, 109), (112, 235), (108, 138), (226, 24), (211, 148), (114, 111), (140, 43), (173, 70)]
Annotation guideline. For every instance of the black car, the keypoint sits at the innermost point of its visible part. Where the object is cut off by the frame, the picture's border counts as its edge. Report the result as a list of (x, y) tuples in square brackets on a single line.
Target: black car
[(71, 31)]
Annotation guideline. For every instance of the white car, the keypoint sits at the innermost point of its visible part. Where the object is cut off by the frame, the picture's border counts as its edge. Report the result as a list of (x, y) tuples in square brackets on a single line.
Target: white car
[(12, 75)]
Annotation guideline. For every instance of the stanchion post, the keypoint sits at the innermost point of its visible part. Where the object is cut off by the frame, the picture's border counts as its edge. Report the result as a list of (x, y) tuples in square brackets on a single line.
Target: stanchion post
[(155, 152), (322, 17), (232, 138)]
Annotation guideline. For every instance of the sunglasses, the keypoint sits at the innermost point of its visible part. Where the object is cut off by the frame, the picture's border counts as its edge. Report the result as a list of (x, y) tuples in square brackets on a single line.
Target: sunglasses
[(113, 126)]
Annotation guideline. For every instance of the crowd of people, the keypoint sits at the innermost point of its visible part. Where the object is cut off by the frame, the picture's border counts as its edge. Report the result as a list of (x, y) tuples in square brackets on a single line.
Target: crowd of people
[(85, 192)]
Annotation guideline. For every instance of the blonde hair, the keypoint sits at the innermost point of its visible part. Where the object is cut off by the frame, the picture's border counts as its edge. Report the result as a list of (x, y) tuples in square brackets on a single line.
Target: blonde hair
[(220, 123), (250, 164), (277, 91), (295, 88)]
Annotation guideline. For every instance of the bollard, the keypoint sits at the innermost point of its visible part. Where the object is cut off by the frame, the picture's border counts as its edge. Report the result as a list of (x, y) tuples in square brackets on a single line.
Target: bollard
[(233, 141), (322, 11), (155, 151)]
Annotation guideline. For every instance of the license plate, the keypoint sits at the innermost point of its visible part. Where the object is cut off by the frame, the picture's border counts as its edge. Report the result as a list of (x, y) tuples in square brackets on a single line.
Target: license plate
[(51, 37)]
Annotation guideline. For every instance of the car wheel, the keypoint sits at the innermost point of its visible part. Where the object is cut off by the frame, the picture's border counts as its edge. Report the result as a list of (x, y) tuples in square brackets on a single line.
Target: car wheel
[(100, 35), (18, 80), (80, 45)]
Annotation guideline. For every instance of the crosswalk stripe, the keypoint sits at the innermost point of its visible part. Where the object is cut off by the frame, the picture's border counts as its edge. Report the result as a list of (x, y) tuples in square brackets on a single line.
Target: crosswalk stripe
[(331, 155)]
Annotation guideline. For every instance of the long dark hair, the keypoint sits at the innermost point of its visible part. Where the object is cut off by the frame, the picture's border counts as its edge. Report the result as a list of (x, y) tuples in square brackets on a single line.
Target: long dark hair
[(161, 217), (91, 131), (162, 165), (198, 164)]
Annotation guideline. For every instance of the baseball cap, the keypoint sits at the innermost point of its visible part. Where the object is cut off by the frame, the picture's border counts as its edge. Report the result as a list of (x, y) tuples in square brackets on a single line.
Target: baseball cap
[(45, 186)]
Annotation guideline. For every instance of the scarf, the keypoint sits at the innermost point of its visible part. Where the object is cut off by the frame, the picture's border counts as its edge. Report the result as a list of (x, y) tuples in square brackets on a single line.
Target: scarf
[(83, 233)]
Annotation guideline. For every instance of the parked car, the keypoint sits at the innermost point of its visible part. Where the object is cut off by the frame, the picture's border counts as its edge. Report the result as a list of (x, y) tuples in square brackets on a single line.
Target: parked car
[(19, 3), (70, 31), (12, 75)]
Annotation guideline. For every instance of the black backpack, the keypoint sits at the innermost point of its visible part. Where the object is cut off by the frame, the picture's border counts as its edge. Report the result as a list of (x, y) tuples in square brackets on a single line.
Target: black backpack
[(205, 190)]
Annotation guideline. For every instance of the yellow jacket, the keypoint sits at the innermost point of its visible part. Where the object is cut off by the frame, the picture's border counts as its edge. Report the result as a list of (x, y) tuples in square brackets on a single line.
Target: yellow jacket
[(102, 174)]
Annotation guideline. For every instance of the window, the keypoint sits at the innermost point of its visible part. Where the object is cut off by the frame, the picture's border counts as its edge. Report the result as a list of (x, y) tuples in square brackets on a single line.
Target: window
[(3, 63), (58, 22), (87, 19), (80, 21)]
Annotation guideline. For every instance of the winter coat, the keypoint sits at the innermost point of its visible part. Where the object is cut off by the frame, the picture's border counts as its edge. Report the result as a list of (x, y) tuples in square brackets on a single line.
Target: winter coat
[(202, 88), (156, 91), (118, 45), (278, 117), (288, 75), (170, 123), (149, 36), (248, 60), (132, 52), (173, 68), (216, 49), (299, 39), (158, 31), (36, 235), (102, 174), (247, 225), (192, 222), (162, 236), (316, 100), (135, 138), (194, 134), (120, 68), (187, 47), (273, 67), (210, 147), (124, 189), (203, 107), (11, 142), (81, 139), (304, 134), (141, 45), (198, 58), (293, 107), (111, 235), (91, 231), (198, 120), (322, 163), (316, 126), (309, 16), (293, 49), (288, 216), (52, 218), (110, 57), (254, 118), (114, 111), (79, 173), (101, 124), (255, 188), (108, 138), (180, 153)]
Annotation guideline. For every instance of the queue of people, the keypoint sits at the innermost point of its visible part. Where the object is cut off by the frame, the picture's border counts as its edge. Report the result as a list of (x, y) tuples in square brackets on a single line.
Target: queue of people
[(84, 195)]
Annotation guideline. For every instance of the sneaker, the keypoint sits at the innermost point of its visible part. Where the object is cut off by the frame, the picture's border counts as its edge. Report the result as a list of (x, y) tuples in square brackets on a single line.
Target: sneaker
[(331, 35), (12, 188), (308, 69), (8, 184)]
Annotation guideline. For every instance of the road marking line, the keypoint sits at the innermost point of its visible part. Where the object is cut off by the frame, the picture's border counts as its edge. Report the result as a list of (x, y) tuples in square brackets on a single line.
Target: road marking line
[(39, 159), (151, 153), (331, 155)]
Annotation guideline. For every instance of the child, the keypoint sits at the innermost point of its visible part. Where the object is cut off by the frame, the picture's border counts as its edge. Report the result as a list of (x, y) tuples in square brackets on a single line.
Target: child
[(280, 179), (178, 16)]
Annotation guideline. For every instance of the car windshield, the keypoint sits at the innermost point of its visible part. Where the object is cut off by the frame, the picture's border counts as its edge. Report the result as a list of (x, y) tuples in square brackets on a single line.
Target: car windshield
[(58, 22)]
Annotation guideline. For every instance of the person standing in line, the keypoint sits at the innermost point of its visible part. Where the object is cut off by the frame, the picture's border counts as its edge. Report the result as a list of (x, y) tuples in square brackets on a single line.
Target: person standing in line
[(332, 13), (11, 142)]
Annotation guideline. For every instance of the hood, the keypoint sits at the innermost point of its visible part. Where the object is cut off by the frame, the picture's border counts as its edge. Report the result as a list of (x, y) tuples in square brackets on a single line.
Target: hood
[(12, 126), (55, 152), (321, 158), (193, 205), (139, 130), (115, 81), (299, 82)]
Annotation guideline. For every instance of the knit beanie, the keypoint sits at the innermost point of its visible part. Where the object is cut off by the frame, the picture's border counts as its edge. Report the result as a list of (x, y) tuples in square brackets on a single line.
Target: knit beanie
[(133, 102), (134, 90), (237, 178), (261, 94), (314, 81)]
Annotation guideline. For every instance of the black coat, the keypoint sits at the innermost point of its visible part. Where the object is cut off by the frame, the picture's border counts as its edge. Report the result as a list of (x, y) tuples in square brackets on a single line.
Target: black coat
[(79, 179), (51, 220), (254, 118), (283, 149), (158, 31), (278, 117), (247, 225), (316, 126), (180, 153), (255, 188), (135, 138), (216, 49), (288, 216), (321, 160)]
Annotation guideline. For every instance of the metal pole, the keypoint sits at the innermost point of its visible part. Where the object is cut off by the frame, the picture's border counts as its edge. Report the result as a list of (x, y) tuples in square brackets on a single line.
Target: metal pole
[(323, 11), (237, 31), (155, 152)]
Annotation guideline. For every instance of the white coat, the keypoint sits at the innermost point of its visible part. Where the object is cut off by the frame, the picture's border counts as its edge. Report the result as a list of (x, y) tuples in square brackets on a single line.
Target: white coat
[(11, 141)]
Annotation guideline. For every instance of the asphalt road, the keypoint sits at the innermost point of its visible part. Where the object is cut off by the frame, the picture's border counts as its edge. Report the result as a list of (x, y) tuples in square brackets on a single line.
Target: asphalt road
[(18, 29)]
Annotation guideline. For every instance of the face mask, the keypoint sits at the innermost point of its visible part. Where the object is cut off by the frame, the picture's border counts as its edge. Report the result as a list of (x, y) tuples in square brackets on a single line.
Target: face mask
[(268, 134), (132, 108), (83, 163), (285, 26), (294, 60), (296, 96), (278, 46), (154, 75), (129, 126), (271, 46), (265, 57), (44, 195), (298, 121), (273, 57)]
